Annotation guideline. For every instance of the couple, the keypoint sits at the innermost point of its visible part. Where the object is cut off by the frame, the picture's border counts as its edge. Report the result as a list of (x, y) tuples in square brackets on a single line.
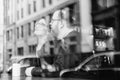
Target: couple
[(60, 29)]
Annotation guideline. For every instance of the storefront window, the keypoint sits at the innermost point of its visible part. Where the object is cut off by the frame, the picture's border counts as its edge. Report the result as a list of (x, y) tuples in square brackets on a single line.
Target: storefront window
[(103, 37), (74, 14)]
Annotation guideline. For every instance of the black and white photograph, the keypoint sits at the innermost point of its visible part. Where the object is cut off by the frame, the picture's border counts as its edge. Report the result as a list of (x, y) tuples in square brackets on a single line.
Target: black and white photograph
[(59, 39)]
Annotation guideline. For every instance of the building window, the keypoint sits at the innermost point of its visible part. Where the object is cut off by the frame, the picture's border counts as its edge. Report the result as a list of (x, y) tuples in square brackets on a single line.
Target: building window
[(22, 12), (17, 32), (50, 18), (17, 15), (20, 51), (32, 49), (50, 1), (10, 53), (11, 31), (7, 36), (29, 8), (104, 41), (22, 31), (74, 14), (34, 25), (29, 29), (34, 5), (43, 3)]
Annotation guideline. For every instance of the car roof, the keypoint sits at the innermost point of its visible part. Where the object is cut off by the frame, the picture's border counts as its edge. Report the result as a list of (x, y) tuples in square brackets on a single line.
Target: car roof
[(18, 58), (105, 53)]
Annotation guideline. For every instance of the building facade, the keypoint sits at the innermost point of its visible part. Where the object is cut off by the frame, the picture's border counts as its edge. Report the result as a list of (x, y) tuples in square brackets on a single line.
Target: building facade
[(20, 17), (105, 19)]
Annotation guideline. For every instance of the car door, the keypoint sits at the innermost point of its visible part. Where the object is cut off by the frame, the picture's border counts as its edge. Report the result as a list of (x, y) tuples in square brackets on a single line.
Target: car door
[(90, 68), (99, 66), (106, 68)]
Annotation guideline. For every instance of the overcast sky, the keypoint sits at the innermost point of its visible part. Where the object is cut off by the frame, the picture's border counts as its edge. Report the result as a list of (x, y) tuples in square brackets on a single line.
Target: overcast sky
[(1, 17)]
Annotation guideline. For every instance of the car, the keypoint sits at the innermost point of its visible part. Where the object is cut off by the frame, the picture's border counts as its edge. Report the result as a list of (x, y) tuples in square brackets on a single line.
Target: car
[(25, 62), (46, 69), (100, 65), (31, 66)]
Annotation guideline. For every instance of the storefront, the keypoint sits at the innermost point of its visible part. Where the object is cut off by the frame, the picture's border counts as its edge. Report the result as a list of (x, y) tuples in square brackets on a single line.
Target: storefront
[(105, 25)]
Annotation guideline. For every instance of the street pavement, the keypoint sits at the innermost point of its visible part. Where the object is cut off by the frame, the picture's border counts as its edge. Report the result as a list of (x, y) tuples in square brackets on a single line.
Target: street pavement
[(36, 78), (8, 77)]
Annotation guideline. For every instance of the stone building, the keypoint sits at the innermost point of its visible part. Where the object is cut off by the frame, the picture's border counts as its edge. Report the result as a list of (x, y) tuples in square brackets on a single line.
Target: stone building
[(105, 15), (20, 17)]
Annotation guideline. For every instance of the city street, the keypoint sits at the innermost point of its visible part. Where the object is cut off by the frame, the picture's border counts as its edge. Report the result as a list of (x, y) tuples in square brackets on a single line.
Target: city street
[(7, 77), (39, 78), (60, 40)]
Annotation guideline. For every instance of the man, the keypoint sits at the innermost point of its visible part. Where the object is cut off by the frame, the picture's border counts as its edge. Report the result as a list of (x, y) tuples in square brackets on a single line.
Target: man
[(61, 28), (41, 31), (43, 36)]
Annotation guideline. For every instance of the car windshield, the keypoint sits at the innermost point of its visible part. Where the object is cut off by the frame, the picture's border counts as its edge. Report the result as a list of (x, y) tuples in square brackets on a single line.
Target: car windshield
[(105, 61), (99, 62), (30, 62)]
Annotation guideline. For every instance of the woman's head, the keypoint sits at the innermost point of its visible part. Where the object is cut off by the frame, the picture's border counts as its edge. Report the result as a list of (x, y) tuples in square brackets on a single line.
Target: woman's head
[(59, 20), (41, 27)]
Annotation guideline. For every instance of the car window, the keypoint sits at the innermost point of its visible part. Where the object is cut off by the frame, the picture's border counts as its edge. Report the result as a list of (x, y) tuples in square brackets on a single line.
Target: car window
[(35, 62), (25, 61), (105, 62), (31, 62), (21, 62), (98, 62), (116, 60)]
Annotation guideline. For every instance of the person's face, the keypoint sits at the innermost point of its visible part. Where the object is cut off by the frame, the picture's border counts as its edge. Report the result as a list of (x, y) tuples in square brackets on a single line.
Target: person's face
[(54, 25)]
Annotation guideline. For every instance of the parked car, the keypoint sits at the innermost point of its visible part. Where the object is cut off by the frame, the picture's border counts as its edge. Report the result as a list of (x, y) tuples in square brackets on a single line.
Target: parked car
[(38, 72), (31, 66), (25, 62), (47, 69), (102, 65)]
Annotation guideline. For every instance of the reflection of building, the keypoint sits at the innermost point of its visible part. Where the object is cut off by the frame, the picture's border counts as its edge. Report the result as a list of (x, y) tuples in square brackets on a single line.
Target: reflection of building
[(105, 25), (20, 17), (105, 15)]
